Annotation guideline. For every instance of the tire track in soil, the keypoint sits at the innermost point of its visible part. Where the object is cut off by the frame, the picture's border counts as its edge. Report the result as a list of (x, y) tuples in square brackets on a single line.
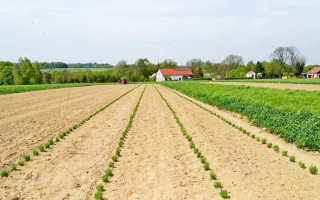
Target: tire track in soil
[(19, 135), (156, 161), (248, 169), (71, 168)]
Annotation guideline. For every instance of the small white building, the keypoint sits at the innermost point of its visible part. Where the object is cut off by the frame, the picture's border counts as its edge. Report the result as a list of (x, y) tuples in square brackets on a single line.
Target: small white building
[(251, 74), (314, 73), (173, 74)]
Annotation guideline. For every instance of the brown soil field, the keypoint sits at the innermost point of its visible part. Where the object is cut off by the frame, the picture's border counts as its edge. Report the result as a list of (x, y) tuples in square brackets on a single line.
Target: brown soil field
[(290, 86), (156, 161), (31, 118)]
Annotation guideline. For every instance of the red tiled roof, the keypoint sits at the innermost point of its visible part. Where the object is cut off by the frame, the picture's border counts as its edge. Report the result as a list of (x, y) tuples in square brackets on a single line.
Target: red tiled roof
[(250, 72), (314, 70), (173, 72)]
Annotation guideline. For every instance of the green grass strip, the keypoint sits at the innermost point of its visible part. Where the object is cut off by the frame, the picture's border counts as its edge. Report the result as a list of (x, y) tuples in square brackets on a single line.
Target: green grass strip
[(203, 160), (108, 172), (61, 135)]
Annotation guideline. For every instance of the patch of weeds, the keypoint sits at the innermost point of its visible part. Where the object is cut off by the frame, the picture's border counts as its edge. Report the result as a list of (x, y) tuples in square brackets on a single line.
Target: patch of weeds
[(105, 178), (99, 188), (108, 172), (276, 148), (284, 153), (118, 151), (258, 139), (313, 169), (199, 155), (4, 173), (26, 157), (213, 176), (203, 160), (253, 136), (196, 150), (13, 166), (110, 164), (41, 148), (191, 145), (269, 145), (21, 163), (50, 141), (114, 158), (217, 184), (292, 158), (57, 139), (206, 166), (302, 165), (35, 153), (224, 194), (98, 195), (264, 140)]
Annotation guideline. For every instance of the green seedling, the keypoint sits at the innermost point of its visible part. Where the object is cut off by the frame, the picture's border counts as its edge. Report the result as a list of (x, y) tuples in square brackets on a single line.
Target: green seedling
[(302, 165), (41, 148), (105, 178), (50, 141), (264, 140), (203, 160), (313, 169), (26, 157), (269, 145), (111, 164), (13, 166), (196, 150), (217, 184), (114, 158), (213, 176), (292, 158), (284, 153), (108, 172), (199, 155), (206, 166), (98, 195), (57, 139), (99, 188), (21, 163), (276, 148), (224, 194), (4, 173), (35, 153), (253, 136)]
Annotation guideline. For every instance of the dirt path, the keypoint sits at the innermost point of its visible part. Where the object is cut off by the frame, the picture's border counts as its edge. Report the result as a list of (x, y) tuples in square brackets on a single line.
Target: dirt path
[(156, 161), (31, 118), (246, 168), (72, 168), (290, 86)]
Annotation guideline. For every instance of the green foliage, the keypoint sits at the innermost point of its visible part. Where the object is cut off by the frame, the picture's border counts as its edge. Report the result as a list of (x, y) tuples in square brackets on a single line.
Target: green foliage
[(108, 172), (41, 148), (258, 139), (217, 184), (302, 165), (35, 153), (26, 157), (50, 141), (264, 140), (276, 148), (111, 164), (203, 160), (100, 188), (284, 153), (57, 139), (196, 150), (313, 169), (224, 194), (47, 145), (269, 145), (213, 176), (199, 155), (120, 143), (4, 173), (192, 145), (13, 166), (292, 158), (114, 158), (206, 166), (118, 151), (21, 163), (98, 195), (105, 178), (253, 136)]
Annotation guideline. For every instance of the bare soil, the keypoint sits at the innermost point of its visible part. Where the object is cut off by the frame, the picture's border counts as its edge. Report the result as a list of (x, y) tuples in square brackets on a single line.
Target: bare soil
[(290, 86), (31, 118)]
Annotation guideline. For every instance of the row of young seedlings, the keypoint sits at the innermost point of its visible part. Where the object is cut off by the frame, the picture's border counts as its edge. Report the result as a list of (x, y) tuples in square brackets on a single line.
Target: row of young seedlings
[(203, 159), (43, 147), (108, 172), (313, 169)]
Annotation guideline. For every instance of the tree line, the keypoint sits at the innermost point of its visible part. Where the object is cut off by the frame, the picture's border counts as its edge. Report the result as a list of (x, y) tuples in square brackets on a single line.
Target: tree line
[(284, 61), (54, 65)]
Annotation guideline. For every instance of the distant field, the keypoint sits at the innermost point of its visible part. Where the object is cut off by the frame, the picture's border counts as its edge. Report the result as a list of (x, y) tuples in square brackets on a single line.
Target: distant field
[(76, 69), (293, 80), (7, 89)]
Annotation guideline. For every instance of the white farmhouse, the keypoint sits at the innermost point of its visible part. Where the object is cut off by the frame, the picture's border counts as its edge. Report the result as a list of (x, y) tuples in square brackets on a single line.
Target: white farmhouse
[(251, 74), (173, 74)]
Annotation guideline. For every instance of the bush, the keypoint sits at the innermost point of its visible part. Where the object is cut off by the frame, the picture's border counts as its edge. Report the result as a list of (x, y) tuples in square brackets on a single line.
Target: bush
[(264, 140), (313, 169), (224, 194), (4, 173), (213, 176), (13, 166), (292, 158), (217, 184), (206, 166), (21, 163), (110, 164), (114, 158), (284, 153), (269, 145), (276, 148), (98, 195), (100, 188), (41, 148), (105, 178), (26, 157), (302, 165)]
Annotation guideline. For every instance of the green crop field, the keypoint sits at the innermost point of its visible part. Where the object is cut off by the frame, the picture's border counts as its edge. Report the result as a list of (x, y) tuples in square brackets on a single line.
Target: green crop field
[(7, 89), (76, 69), (293, 114), (292, 80)]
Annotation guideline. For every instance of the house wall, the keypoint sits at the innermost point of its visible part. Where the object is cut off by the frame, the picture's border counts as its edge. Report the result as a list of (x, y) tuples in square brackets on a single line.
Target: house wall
[(176, 78), (159, 76), (250, 75)]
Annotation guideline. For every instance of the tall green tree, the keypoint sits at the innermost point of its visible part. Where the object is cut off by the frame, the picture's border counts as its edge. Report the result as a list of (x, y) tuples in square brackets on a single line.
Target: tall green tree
[(6, 73)]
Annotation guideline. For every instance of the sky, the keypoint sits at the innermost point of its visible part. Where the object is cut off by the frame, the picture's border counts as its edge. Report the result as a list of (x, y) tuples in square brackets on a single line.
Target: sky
[(99, 31)]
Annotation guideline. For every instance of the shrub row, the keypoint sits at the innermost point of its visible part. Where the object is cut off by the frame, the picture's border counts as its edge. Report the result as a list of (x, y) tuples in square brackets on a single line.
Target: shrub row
[(108, 172), (203, 160), (50, 142), (313, 169)]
